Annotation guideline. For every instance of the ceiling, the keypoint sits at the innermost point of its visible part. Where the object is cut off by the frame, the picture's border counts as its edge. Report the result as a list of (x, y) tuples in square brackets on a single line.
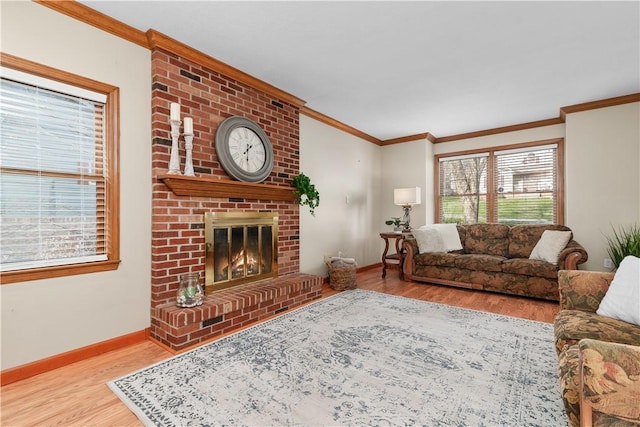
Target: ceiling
[(392, 69)]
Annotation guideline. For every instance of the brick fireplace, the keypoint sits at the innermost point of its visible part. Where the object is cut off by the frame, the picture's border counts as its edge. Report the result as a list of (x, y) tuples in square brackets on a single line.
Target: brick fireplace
[(178, 219)]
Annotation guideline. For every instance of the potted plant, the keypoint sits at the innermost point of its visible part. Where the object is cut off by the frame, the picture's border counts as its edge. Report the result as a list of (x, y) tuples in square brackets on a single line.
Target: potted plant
[(623, 242), (397, 224), (305, 192)]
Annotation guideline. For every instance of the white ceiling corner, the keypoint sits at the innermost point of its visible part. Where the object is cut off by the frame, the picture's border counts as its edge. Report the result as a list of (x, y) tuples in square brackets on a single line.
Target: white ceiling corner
[(397, 68)]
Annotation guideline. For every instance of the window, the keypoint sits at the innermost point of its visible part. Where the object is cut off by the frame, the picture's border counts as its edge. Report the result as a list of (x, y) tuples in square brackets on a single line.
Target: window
[(520, 184), (58, 181)]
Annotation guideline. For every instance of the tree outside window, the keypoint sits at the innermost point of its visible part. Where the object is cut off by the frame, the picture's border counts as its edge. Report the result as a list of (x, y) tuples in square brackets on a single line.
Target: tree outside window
[(519, 184)]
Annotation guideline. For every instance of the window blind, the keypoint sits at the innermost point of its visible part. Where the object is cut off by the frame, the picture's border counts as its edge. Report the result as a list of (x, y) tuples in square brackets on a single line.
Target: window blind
[(52, 174), (526, 185), (515, 185)]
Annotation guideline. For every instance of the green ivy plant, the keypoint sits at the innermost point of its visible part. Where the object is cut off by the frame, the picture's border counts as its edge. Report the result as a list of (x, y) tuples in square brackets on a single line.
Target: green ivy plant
[(623, 242), (306, 193)]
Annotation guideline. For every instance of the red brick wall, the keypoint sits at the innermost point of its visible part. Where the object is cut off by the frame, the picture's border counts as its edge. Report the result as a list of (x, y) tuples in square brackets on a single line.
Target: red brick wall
[(178, 222), (230, 309)]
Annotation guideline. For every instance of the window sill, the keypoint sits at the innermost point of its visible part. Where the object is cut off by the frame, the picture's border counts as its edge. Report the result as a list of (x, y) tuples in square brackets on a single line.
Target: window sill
[(7, 277)]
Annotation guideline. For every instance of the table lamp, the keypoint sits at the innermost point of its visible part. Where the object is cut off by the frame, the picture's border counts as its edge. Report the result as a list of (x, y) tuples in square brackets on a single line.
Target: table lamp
[(406, 197)]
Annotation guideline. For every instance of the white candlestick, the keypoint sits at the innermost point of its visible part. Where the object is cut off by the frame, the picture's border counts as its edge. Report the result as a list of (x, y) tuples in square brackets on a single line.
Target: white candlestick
[(188, 125), (175, 111), (188, 146), (174, 160)]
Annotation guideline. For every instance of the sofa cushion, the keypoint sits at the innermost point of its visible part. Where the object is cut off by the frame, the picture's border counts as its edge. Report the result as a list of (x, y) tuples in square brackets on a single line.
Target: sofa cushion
[(530, 267), (480, 262), (571, 326), (622, 300), (440, 259), (487, 239), (523, 238), (429, 240), (581, 289), (462, 233), (550, 245), (448, 233)]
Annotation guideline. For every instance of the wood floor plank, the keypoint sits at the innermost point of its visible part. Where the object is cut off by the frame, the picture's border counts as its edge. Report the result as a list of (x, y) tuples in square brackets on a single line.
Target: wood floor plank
[(77, 395)]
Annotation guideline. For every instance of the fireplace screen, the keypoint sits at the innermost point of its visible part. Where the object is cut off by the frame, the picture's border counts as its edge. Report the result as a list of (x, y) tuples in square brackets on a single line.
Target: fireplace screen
[(241, 247)]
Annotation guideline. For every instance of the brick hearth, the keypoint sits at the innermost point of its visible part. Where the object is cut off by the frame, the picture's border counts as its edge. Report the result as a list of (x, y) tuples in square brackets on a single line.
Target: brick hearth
[(227, 310)]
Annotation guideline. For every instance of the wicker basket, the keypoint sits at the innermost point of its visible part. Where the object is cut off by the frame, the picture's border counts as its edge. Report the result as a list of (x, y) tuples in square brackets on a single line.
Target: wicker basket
[(341, 276)]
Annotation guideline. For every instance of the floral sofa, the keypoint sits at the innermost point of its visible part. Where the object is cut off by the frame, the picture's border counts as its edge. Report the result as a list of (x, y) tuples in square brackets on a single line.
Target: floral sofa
[(494, 257), (599, 357)]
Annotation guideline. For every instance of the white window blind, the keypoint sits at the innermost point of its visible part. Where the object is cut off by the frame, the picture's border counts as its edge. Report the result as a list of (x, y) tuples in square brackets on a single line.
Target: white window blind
[(519, 185), (526, 185), (52, 173)]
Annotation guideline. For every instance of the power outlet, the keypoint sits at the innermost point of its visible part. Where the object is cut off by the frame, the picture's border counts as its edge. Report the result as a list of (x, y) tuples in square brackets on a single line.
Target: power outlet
[(607, 263)]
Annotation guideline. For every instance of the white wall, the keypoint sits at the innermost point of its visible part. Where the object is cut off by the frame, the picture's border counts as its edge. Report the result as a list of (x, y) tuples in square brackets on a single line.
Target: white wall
[(47, 317), (408, 164), (603, 175), (346, 172)]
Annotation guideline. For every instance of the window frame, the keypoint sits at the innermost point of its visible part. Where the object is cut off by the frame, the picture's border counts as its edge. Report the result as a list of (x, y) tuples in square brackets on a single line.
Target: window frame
[(112, 182), (492, 192)]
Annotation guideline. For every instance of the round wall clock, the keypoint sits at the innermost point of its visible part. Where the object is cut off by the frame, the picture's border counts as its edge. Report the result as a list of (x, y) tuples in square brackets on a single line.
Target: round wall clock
[(244, 149)]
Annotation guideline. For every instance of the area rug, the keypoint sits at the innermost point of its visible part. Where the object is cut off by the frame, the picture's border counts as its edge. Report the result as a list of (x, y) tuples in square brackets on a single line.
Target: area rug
[(359, 358)]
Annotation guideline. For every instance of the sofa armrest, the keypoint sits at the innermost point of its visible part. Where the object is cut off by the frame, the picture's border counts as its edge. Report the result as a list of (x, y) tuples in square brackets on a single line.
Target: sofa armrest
[(410, 246), (572, 255), (582, 290), (610, 380)]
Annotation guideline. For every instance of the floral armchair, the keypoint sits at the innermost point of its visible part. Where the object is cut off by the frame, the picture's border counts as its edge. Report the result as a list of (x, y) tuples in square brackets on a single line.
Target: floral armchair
[(599, 357), (610, 380)]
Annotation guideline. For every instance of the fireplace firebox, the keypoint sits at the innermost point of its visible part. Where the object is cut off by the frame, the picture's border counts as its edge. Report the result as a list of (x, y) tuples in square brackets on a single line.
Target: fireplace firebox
[(241, 247)]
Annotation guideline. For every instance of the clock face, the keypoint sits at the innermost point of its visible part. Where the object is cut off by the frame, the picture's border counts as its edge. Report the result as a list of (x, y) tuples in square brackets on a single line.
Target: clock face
[(247, 149), (244, 150)]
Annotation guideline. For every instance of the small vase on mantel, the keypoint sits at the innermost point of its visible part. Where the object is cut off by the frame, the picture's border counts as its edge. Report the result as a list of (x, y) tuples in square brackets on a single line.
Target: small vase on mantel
[(190, 292)]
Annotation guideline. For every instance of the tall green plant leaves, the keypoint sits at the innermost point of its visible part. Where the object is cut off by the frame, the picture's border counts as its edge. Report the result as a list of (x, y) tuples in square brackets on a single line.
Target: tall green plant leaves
[(623, 242)]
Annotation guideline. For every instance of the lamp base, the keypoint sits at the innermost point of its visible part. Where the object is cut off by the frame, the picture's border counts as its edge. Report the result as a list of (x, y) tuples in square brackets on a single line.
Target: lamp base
[(406, 219)]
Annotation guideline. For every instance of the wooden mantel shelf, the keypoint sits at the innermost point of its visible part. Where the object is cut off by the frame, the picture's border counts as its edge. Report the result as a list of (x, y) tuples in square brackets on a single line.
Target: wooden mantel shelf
[(214, 187)]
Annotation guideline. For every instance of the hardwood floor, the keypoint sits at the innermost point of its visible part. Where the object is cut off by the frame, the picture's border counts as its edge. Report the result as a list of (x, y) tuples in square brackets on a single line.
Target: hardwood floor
[(77, 395)]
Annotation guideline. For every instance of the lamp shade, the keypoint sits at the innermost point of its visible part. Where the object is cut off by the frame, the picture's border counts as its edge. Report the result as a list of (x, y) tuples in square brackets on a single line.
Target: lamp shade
[(406, 196)]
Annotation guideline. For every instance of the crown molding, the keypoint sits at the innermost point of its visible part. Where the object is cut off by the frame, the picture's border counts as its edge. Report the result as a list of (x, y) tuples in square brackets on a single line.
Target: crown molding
[(609, 102), (339, 125), (503, 129), (158, 40), (410, 138), (594, 105), (97, 19)]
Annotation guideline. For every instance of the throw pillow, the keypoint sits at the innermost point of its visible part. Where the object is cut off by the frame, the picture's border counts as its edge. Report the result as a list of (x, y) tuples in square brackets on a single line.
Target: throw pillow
[(429, 240), (449, 235), (622, 300), (551, 243)]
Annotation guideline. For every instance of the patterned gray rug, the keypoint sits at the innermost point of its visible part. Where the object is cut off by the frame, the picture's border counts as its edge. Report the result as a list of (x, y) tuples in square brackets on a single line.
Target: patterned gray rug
[(359, 358)]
